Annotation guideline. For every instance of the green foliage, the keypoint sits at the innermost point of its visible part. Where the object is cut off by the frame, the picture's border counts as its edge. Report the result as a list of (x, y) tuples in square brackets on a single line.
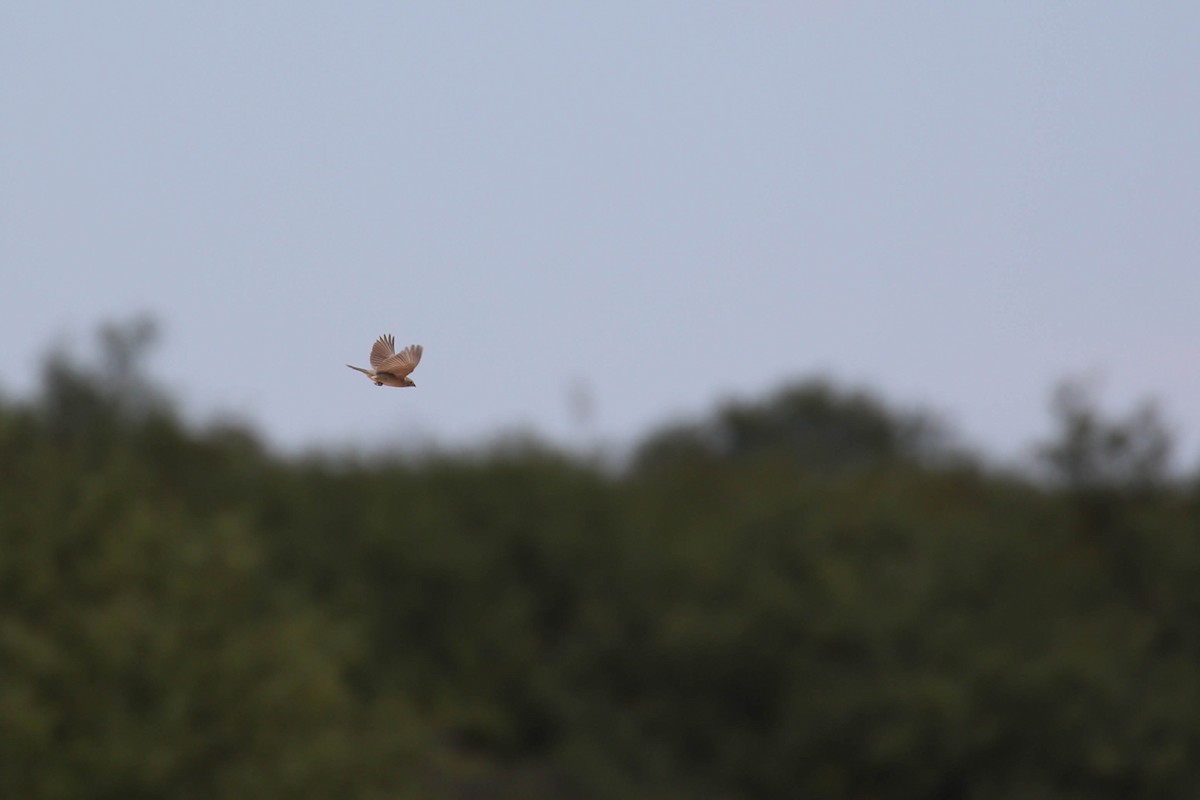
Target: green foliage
[(1093, 453), (809, 597), (813, 426)]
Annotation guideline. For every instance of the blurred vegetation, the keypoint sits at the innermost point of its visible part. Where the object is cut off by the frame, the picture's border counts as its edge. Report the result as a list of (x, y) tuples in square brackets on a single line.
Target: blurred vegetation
[(812, 596)]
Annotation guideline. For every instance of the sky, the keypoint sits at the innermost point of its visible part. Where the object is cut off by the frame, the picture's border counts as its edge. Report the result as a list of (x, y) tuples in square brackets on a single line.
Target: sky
[(599, 218)]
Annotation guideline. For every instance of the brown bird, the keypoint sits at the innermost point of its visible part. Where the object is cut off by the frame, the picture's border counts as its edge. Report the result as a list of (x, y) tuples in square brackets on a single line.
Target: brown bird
[(389, 367)]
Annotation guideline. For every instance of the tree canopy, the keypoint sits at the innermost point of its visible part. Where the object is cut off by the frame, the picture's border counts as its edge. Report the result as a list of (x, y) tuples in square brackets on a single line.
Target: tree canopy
[(811, 595)]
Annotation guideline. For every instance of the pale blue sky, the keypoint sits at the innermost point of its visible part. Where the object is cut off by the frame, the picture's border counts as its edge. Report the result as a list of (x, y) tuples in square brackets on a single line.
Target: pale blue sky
[(956, 204)]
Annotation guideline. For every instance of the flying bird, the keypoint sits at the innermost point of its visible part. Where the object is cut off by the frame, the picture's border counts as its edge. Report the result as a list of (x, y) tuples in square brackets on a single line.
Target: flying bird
[(390, 368)]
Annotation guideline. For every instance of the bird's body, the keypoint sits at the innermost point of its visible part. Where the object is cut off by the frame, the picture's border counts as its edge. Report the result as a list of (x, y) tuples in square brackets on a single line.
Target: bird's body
[(389, 368)]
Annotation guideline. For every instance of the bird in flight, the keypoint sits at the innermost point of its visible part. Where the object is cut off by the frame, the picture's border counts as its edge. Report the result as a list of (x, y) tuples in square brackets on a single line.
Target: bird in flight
[(390, 368)]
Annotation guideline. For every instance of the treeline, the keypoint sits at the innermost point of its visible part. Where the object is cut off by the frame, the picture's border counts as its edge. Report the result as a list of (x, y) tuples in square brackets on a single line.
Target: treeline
[(808, 596)]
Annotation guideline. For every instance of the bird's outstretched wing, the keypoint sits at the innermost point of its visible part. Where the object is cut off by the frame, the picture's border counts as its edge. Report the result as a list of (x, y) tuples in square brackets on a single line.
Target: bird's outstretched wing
[(383, 349), (402, 363)]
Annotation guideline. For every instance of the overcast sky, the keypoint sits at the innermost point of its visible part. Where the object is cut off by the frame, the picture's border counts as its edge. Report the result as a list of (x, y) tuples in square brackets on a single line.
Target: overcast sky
[(652, 205)]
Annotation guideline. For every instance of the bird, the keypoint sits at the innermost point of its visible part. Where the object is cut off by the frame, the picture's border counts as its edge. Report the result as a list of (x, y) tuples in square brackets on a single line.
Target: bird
[(390, 368)]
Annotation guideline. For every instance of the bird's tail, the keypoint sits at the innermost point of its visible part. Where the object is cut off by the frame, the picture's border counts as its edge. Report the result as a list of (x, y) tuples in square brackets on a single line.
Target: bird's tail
[(366, 372)]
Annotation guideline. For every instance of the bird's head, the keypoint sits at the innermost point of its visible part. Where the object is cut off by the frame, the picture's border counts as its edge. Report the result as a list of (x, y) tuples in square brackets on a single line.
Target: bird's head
[(408, 381)]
